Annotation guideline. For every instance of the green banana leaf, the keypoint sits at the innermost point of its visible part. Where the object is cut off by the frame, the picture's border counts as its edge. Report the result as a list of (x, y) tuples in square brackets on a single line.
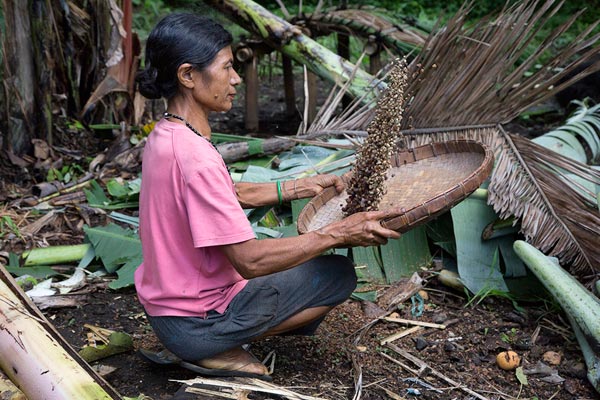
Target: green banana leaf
[(478, 260), (119, 249), (406, 255)]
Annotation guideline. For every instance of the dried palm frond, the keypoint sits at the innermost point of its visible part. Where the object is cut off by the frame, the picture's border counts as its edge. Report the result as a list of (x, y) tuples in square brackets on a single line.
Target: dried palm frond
[(477, 76), (533, 184), (472, 80)]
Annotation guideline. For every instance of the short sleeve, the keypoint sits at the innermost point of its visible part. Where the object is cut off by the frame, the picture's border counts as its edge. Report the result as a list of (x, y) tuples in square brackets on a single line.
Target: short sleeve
[(215, 215)]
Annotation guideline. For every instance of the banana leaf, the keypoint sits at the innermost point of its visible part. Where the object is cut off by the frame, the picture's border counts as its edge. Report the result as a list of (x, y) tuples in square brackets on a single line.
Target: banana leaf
[(120, 251), (478, 260), (369, 260), (406, 255)]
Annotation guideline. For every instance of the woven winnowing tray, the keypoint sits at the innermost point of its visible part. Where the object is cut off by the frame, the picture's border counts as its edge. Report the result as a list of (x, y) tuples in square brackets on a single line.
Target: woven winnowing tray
[(424, 181)]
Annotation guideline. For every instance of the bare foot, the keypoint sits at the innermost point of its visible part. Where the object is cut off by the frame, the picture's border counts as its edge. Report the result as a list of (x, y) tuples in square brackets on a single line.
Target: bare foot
[(236, 359)]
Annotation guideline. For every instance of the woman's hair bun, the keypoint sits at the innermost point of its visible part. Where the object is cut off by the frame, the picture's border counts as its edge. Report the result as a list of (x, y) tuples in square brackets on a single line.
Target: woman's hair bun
[(147, 85)]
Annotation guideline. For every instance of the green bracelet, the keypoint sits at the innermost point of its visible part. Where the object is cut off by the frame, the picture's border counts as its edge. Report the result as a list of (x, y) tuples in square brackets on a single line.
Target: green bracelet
[(279, 197)]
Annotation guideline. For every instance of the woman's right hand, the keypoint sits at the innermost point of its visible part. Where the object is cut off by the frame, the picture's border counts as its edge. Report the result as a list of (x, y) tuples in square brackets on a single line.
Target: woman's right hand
[(363, 228)]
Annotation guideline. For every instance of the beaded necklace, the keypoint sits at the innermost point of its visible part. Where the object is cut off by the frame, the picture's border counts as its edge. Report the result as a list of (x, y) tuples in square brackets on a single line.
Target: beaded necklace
[(179, 117)]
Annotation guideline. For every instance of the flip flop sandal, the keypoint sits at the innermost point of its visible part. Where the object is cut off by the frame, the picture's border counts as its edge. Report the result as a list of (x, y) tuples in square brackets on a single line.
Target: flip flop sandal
[(223, 372), (165, 357)]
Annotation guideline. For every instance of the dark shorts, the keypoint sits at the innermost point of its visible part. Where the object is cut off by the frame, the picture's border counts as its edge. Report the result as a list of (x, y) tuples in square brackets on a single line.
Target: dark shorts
[(264, 303)]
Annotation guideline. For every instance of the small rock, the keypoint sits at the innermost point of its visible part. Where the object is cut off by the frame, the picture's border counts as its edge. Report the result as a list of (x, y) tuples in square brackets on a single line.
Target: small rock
[(515, 317), (439, 318), (554, 378), (449, 347), (552, 357), (420, 343), (362, 349), (523, 343), (540, 368)]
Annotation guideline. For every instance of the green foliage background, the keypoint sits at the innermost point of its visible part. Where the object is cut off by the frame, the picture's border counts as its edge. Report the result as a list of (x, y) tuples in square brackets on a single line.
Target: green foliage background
[(422, 13)]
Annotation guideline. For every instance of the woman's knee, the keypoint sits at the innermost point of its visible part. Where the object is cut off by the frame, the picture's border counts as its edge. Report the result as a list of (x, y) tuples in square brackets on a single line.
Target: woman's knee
[(342, 275)]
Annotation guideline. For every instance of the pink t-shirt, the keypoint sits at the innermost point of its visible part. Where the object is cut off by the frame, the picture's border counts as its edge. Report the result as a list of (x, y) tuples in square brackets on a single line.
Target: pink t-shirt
[(188, 206)]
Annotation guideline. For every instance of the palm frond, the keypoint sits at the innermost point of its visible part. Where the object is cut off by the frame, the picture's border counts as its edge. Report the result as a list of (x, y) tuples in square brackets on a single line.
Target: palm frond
[(467, 82), (477, 75), (529, 182)]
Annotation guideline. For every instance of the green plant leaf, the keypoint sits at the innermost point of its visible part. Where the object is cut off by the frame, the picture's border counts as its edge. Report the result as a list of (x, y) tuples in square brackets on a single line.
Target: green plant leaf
[(125, 190), (478, 261), (98, 199), (120, 250), (365, 296), (116, 189), (128, 219), (403, 256), (441, 232), (371, 259), (521, 377), (38, 272), (13, 259), (264, 232), (95, 195), (559, 146)]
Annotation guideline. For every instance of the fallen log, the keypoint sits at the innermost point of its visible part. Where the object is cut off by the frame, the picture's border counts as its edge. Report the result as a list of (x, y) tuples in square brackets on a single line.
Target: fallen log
[(36, 357), (236, 151)]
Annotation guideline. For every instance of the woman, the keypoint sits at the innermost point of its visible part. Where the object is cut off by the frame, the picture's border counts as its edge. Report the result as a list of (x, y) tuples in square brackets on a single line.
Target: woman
[(208, 286)]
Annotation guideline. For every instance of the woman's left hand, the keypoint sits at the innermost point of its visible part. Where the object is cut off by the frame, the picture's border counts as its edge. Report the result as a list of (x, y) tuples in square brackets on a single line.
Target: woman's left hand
[(312, 186)]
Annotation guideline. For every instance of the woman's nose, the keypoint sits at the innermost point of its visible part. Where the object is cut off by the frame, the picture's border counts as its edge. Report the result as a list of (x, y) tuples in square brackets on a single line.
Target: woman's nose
[(235, 78)]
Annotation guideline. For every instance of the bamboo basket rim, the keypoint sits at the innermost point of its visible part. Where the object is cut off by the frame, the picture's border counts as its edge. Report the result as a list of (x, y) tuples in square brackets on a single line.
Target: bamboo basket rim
[(421, 159)]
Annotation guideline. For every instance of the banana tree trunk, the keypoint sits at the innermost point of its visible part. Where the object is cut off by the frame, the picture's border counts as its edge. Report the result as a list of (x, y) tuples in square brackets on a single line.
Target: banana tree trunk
[(36, 357), (289, 40)]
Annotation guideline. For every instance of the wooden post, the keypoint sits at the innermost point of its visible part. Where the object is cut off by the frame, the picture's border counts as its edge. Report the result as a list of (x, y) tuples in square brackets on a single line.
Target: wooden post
[(288, 84), (249, 57), (375, 63), (373, 50), (343, 50)]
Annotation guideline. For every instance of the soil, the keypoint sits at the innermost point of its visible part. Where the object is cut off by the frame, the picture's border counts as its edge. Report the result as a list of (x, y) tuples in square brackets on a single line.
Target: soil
[(458, 362), (326, 365)]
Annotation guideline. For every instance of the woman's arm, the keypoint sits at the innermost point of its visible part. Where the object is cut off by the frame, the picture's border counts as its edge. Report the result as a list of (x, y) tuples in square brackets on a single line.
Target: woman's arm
[(254, 257), (251, 195)]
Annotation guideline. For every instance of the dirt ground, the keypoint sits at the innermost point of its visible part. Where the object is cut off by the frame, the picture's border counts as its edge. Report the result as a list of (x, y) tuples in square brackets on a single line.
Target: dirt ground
[(326, 365), (458, 362)]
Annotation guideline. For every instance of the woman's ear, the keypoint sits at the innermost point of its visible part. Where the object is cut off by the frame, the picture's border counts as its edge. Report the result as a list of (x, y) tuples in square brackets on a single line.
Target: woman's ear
[(185, 75)]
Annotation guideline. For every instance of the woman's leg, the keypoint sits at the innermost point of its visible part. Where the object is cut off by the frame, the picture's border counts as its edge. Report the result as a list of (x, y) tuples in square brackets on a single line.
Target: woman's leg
[(290, 302), (298, 321)]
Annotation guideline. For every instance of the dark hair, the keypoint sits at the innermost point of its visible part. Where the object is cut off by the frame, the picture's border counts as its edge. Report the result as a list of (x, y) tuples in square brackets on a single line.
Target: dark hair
[(177, 39)]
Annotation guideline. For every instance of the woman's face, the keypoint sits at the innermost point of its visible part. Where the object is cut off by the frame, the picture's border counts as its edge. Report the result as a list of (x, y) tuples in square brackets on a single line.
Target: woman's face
[(215, 86)]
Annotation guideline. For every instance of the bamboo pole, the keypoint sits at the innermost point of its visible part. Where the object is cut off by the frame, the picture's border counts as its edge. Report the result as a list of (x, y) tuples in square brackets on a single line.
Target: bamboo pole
[(288, 39), (36, 357), (236, 151)]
